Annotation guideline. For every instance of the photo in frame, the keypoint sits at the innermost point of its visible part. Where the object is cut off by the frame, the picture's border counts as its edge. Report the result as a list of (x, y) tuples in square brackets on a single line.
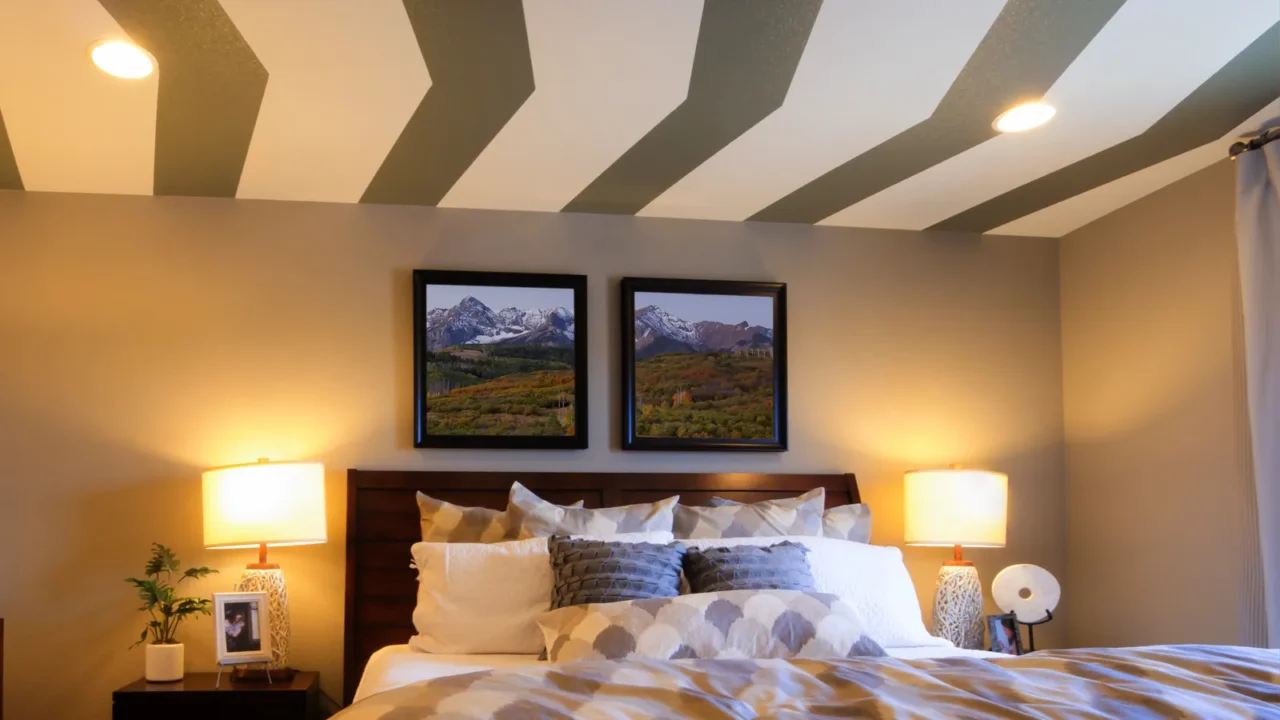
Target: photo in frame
[(500, 360), (704, 365), (1004, 634), (242, 621)]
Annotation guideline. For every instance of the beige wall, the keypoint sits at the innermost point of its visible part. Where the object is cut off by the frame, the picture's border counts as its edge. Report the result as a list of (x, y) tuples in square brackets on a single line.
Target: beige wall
[(143, 339), (1156, 424)]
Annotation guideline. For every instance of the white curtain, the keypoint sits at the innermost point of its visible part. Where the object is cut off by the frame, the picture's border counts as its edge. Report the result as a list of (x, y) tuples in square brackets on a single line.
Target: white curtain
[(1258, 237)]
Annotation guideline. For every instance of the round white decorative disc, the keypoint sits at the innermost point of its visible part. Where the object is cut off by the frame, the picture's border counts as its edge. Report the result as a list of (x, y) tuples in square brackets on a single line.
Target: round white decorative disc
[(1028, 590)]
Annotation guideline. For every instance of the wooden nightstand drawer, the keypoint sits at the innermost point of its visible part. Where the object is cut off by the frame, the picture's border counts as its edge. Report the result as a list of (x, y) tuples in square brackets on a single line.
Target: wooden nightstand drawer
[(194, 698)]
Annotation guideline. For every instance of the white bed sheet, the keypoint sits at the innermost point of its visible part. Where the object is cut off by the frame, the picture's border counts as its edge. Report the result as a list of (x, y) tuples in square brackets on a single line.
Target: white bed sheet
[(398, 665)]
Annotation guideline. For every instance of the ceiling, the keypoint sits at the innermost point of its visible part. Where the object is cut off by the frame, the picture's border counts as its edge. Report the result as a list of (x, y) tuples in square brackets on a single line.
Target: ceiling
[(869, 113)]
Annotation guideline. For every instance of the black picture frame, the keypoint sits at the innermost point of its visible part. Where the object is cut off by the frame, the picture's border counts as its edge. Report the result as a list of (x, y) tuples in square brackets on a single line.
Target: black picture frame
[(1003, 634), (631, 440), (422, 279)]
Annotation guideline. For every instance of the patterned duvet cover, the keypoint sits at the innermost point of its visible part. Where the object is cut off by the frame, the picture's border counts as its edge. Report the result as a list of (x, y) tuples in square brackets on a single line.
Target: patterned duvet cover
[(1189, 681)]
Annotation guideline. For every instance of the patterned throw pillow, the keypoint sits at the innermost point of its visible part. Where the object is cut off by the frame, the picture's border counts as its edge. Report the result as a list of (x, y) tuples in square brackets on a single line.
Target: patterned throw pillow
[(734, 624), (776, 567), (772, 518), (445, 522), (531, 516), (846, 522), (596, 571)]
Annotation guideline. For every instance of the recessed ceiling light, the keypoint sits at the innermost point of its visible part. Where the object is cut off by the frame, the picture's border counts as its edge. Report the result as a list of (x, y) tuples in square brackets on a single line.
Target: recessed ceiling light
[(1024, 117), (122, 59)]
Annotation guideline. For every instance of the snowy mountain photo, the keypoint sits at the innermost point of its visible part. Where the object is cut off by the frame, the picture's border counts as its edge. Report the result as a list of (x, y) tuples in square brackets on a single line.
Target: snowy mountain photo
[(499, 361), (471, 321), (658, 331), (704, 366)]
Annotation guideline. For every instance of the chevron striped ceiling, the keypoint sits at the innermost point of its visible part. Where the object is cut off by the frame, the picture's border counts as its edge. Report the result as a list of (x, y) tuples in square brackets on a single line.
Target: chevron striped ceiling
[(870, 113)]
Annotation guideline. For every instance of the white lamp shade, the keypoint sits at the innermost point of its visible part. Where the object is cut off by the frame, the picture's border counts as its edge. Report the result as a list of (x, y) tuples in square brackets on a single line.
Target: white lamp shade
[(955, 507), (273, 503)]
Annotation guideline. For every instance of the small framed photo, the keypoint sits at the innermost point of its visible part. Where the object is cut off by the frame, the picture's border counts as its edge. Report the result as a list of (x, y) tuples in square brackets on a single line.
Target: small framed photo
[(1005, 637), (243, 623)]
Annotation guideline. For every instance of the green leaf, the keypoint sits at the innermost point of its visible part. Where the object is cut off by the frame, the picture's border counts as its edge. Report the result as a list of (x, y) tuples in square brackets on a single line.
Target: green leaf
[(191, 606), (148, 591), (162, 559), (155, 564), (166, 555), (197, 573), (141, 639)]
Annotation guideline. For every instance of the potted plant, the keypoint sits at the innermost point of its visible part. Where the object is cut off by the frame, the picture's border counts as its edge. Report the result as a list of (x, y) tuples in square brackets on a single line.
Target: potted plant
[(159, 597)]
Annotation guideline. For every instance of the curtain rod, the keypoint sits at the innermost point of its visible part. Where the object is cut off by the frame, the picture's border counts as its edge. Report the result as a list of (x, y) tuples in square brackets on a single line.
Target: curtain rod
[(1244, 146)]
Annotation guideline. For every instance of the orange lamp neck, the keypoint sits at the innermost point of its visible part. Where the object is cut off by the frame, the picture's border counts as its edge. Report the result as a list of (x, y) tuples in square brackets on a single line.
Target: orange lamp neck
[(262, 563), (956, 560)]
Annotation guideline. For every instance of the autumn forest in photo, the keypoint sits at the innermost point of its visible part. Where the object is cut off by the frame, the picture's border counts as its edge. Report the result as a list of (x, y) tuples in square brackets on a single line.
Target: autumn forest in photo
[(704, 366), (508, 371)]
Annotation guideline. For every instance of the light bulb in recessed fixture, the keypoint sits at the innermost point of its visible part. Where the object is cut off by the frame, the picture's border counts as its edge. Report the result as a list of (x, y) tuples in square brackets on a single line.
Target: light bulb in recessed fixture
[(1024, 117), (122, 59)]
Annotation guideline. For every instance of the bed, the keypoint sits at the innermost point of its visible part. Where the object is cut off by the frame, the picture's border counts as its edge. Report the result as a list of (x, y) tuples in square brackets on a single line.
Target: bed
[(382, 524), (391, 680)]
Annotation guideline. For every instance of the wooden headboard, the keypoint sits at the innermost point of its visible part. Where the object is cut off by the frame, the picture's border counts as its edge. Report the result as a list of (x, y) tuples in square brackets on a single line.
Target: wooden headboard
[(382, 524)]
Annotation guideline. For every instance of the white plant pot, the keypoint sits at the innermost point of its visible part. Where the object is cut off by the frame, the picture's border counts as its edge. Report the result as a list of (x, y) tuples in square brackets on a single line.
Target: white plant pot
[(164, 662)]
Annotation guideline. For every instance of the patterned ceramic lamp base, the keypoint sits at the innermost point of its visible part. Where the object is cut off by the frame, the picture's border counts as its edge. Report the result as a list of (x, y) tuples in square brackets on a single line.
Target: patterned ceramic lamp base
[(271, 582), (957, 606)]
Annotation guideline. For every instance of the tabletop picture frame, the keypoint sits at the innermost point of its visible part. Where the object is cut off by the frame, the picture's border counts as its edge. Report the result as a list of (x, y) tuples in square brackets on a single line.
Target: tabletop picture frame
[(1004, 634), (242, 626)]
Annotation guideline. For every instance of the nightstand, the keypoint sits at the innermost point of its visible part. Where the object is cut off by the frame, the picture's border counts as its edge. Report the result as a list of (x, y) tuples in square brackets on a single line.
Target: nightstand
[(194, 698)]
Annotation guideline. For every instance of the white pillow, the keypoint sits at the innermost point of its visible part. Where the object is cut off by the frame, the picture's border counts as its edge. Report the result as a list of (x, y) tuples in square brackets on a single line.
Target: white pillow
[(486, 597), (871, 579)]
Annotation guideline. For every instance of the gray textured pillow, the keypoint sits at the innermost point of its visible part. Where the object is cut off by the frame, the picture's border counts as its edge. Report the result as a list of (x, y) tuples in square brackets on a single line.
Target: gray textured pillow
[(443, 521), (531, 516), (800, 515), (745, 567), (595, 571), (846, 522), (737, 624)]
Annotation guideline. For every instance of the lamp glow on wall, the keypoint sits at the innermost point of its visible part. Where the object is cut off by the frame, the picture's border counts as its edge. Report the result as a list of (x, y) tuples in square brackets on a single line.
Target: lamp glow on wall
[(265, 504), (957, 507)]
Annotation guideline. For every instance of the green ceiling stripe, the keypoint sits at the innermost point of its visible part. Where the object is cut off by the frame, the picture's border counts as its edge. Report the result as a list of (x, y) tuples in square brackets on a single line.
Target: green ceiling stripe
[(211, 87), (10, 178), (1232, 95), (477, 53), (747, 53), (1030, 44)]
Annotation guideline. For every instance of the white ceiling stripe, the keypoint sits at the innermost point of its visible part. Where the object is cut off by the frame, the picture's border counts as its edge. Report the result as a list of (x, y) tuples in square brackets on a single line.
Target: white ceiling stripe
[(606, 73), (869, 71), (1150, 56), (1068, 215), (73, 128), (344, 79)]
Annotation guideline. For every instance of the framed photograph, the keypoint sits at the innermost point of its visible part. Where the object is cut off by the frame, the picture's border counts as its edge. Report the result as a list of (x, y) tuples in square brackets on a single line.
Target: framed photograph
[(704, 365), (1003, 630), (243, 624), (500, 360)]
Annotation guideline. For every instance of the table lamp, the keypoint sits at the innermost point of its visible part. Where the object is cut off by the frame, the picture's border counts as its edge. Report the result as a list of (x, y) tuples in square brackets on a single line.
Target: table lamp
[(266, 504), (956, 507)]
